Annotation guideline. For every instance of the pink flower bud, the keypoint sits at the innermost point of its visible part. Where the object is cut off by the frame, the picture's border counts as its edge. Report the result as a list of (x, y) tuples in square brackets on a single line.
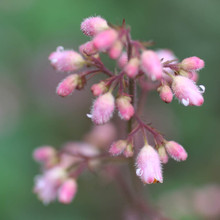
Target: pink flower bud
[(117, 147), (166, 93), (87, 49), (187, 91), (105, 39), (103, 108), (192, 63), (162, 154), (99, 88), (67, 191), (176, 151), (93, 25), (129, 152), (132, 67), (123, 60), (149, 166), (66, 60), (125, 108), (115, 50), (43, 154), (151, 64), (166, 55), (68, 85)]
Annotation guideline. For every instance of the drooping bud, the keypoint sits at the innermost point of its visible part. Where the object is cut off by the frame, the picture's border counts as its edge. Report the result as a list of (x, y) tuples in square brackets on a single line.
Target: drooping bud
[(105, 39), (151, 65), (166, 93), (176, 151), (149, 166), (123, 60), (103, 108), (129, 152), (67, 191), (93, 25), (115, 50), (192, 63), (99, 88), (187, 91), (125, 108), (68, 85), (162, 154), (132, 67), (87, 49), (44, 154), (117, 147), (66, 60)]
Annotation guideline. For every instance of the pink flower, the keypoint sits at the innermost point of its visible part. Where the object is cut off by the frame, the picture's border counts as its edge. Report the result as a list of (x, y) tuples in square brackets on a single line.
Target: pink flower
[(132, 67), (67, 191), (87, 48), (163, 155), (125, 108), (151, 65), (148, 165), (166, 93), (117, 147), (115, 50), (123, 60), (186, 91), (93, 25), (66, 60), (192, 63), (176, 151), (44, 154), (99, 88), (103, 108), (128, 151), (68, 85), (46, 185), (105, 39)]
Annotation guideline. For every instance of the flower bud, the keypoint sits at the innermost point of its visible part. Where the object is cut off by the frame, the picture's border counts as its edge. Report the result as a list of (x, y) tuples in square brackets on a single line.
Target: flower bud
[(166, 55), (99, 88), (66, 60), (93, 25), (176, 151), (132, 67), (192, 63), (125, 108), (105, 39), (187, 91), (123, 60), (151, 64), (129, 152), (87, 49), (166, 93), (115, 50), (162, 154), (44, 154), (68, 85), (103, 108), (67, 191), (149, 166), (117, 147)]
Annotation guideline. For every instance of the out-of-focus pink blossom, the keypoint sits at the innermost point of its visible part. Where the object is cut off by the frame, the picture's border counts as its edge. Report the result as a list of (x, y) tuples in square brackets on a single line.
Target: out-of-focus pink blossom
[(115, 50), (132, 67), (117, 147), (67, 191), (44, 153), (128, 151), (176, 151), (148, 165), (125, 108), (166, 93), (123, 60), (87, 48), (186, 91), (66, 60), (103, 108), (93, 25)]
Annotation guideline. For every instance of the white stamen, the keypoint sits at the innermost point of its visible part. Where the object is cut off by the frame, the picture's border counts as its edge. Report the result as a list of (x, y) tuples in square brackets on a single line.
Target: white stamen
[(89, 115), (202, 88), (185, 102)]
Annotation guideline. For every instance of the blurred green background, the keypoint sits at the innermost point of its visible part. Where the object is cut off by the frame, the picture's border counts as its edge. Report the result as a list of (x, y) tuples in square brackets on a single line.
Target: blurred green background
[(32, 115)]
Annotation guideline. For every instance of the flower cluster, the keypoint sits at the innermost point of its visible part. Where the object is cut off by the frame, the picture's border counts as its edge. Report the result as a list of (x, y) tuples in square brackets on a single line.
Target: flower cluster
[(136, 65)]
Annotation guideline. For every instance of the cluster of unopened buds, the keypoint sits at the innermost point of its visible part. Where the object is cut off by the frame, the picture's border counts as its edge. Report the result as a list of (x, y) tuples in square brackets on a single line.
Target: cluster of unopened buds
[(137, 65)]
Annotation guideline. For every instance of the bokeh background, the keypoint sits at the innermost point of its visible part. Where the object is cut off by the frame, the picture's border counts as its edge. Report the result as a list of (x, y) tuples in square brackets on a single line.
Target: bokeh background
[(32, 115)]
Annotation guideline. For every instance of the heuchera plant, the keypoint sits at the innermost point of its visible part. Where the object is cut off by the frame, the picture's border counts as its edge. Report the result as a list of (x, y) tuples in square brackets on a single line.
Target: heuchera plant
[(137, 66)]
